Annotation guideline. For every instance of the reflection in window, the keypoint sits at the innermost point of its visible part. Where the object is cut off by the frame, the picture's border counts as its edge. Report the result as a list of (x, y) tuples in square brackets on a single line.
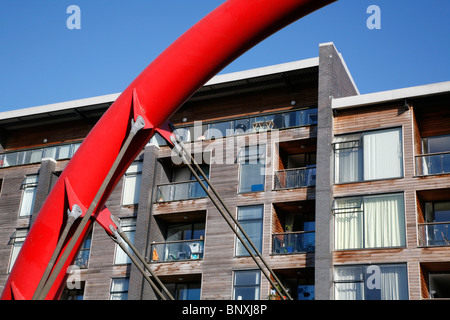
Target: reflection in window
[(246, 285), (251, 220), (119, 289), (252, 169)]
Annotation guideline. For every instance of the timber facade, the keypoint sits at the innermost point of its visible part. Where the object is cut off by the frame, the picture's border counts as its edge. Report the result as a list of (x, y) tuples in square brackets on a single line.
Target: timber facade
[(345, 196)]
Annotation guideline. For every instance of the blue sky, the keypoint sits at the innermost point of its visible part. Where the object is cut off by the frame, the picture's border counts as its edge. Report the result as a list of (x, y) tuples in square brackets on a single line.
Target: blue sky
[(43, 62)]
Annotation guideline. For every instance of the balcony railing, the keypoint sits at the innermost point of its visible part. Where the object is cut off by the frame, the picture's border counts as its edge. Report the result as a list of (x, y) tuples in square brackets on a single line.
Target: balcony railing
[(30, 156), (180, 191), (236, 126), (293, 242), (177, 250), (434, 234), (433, 163), (295, 178)]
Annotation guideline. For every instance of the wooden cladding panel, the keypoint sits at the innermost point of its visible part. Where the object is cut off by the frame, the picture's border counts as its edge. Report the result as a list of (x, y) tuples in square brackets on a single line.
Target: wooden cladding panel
[(370, 118), (55, 134), (246, 105)]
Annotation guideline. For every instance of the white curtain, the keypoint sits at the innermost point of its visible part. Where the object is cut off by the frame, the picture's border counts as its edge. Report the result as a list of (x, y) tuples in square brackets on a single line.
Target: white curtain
[(28, 195), (131, 189), (27, 205), (132, 184), (349, 282), (382, 154), (393, 282), (348, 158), (384, 224), (348, 223)]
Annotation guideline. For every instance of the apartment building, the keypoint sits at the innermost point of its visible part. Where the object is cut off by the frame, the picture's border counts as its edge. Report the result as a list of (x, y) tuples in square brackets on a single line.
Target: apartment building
[(345, 196)]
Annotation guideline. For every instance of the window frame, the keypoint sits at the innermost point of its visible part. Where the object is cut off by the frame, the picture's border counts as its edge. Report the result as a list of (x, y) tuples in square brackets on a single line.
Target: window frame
[(237, 244), (19, 233), (128, 225), (360, 210), (132, 173), (357, 138), (257, 285), (259, 159), (362, 277), (24, 187), (121, 293)]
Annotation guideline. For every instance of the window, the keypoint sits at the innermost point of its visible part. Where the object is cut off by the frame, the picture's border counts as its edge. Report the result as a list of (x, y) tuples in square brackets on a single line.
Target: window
[(82, 259), (129, 228), (251, 220), (132, 184), (29, 185), (73, 294), (359, 282), (369, 222), (252, 167), (246, 285), (368, 156), (16, 240), (184, 290), (119, 289)]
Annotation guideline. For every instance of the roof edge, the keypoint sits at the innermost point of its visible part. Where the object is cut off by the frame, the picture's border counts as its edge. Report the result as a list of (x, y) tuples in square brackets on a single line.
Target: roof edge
[(390, 95)]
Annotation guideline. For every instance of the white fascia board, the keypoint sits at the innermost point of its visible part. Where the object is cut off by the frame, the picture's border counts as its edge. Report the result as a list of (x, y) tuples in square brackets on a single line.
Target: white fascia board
[(264, 71), (386, 96), (60, 106)]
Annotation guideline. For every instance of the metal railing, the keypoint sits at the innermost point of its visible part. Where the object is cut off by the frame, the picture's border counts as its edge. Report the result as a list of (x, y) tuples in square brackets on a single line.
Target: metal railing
[(29, 156), (434, 234), (293, 242), (236, 126), (433, 163), (177, 191), (295, 178), (176, 250)]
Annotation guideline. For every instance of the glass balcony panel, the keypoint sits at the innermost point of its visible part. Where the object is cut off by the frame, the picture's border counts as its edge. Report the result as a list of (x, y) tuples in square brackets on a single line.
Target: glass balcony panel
[(177, 250), (293, 242), (434, 234), (180, 191), (429, 164), (295, 178)]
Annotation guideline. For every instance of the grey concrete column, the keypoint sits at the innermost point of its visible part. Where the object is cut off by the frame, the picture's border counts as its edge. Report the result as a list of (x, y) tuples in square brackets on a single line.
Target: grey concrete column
[(139, 289), (44, 185), (334, 81)]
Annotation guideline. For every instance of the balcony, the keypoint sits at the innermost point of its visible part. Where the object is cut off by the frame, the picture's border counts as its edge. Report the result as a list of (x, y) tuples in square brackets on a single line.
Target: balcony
[(31, 156), (293, 242), (295, 178), (433, 164), (237, 126), (434, 234), (177, 191), (177, 250)]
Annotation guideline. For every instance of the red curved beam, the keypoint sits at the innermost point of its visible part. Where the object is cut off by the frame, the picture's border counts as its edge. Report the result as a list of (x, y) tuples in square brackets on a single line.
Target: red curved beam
[(157, 92)]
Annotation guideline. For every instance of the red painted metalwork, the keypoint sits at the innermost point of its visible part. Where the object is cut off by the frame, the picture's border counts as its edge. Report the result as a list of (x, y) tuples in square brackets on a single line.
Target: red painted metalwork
[(155, 94)]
